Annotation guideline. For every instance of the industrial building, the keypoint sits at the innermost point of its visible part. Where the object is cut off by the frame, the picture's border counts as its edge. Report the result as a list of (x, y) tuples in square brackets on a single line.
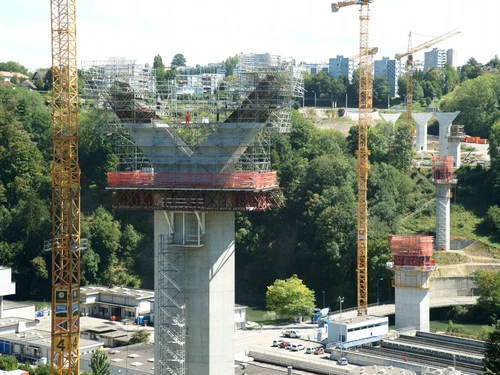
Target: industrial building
[(356, 331)]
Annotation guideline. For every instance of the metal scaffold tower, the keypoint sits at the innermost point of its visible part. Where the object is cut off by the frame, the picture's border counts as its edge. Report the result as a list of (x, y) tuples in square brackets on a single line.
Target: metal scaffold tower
[(172, 306), (66, 242), (365, 116)]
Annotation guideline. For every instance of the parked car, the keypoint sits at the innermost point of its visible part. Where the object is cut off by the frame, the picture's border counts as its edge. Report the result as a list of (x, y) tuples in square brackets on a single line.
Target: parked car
[(319, 351), (296, 347), (342, 362), (277, 342), (311, 349), (292, 333), (284, 344)]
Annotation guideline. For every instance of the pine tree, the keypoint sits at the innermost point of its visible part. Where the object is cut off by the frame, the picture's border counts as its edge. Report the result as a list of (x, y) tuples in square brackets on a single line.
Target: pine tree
[(99, 363)]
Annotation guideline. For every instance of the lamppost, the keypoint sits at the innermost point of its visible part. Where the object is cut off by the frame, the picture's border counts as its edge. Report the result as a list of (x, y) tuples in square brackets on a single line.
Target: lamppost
[(314, 98), (346, 101), (388, 102), (304, 99), (341, 299), (331, 92), (381, 279), (324, 299)]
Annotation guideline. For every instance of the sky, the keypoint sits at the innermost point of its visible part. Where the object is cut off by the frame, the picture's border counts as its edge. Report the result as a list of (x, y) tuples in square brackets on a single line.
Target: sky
[(210, 31)]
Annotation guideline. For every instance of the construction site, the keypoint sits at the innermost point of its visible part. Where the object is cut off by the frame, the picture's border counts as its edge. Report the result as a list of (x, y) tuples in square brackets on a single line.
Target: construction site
[(195, 157)]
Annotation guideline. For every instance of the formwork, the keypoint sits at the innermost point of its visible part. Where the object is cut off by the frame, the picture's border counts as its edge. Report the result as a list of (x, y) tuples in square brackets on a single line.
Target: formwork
[(442, 170)]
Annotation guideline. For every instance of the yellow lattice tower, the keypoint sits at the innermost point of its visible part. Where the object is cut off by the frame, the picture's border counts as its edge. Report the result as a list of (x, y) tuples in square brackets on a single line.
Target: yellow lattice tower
[(365, 116), (65, 244)]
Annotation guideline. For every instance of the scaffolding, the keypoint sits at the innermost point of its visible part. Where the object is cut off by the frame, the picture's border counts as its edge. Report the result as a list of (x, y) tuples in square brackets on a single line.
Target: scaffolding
[(171, 300), (412, 252), (194, 112), (442, 170)]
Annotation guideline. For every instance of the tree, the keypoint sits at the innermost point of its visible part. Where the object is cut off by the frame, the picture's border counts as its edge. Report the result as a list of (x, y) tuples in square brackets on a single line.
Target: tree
[(290, 297), (470, 70), (160, 68), (99, 363), (488, 289), (230, 64), (8, 363), (13, 67), (491, 359), (139, 336), (179, 60), (450, 78), (171, 74), (494, 63), (381, 91)]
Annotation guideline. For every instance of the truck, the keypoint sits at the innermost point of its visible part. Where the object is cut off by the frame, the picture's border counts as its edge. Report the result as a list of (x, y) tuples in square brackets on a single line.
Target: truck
[(292, 333)]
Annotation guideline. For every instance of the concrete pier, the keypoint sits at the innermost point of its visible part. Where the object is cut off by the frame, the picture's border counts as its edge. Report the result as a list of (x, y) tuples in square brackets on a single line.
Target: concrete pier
[(412, 307), (390, 117), (208, 286), (421, 137), (445, 119), (443, 194)]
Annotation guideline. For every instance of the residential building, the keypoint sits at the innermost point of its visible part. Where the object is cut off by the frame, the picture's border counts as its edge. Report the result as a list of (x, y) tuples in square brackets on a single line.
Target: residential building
[(437, 58), (390, 68), (341, 65), (27, 84), (7, 76), (39, 74), (240, 316), (316, 68), (198, 84)]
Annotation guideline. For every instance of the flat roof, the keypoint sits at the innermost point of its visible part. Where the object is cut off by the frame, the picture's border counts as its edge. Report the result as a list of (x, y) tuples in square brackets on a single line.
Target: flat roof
[(138, 357), (8, 305), (362, 319), (41, 338), (118, 291)]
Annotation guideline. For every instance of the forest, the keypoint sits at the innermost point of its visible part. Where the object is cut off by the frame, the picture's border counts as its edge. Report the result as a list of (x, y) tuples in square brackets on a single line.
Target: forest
[(312, 237)]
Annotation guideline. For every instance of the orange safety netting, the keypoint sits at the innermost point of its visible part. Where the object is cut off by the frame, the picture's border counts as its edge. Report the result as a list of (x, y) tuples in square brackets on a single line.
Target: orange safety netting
[(411, 245), (237, 180), (442, 168)]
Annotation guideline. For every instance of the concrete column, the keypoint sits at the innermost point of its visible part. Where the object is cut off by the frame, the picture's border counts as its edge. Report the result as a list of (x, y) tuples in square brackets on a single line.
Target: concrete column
[(445, 119), (421, 137), (209, 291), (455, 149), (443, 217), (412, 307), (390, 117)]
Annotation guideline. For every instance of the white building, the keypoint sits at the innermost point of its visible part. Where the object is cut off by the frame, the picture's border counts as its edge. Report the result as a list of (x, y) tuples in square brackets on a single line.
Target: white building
[(356, 331), (437, 58), (120, 302), (341, 65), (316, 68)]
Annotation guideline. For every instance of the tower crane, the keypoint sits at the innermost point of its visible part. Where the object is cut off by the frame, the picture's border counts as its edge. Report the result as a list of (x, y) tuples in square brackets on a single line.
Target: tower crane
[(65, 244), (365, 115), (371, 51), (409, 66)]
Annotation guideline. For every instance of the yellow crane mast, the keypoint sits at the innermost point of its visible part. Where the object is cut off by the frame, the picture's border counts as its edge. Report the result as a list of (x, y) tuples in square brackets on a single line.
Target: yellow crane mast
[(409, 66), (365, 115), (65, 243)]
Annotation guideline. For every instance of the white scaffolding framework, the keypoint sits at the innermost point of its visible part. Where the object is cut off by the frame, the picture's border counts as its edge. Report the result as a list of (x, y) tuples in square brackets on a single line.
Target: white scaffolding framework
[(125, 94)]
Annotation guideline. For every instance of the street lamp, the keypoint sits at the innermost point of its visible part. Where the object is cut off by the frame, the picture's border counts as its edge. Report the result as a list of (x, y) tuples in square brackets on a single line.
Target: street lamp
[(324, 299), (341, 299), (388, 102), (314, 98), (346, 101), (331, 92), (381, 279), (304, 99)]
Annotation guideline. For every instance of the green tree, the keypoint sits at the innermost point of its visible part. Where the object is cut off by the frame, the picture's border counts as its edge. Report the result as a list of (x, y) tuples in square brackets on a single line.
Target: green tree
[(470, 70), (450, 78), (47, 81), (8, 363), (13, 67), (160, 68), (402, 149), (381, 91), (488, 289), (491, 359), (494, 63), (42, 369), (179, 60), (39, 83), (230, 64), (171, 74), (99, 363), (141, 335), (290, 297)]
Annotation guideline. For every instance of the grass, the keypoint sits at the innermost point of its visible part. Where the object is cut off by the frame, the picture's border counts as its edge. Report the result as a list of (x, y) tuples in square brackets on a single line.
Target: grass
[(259, 315)]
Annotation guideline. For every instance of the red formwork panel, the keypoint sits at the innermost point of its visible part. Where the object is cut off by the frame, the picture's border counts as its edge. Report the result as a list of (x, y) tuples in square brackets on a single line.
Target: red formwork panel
[(411, 245), (442, 168), (237, 180)]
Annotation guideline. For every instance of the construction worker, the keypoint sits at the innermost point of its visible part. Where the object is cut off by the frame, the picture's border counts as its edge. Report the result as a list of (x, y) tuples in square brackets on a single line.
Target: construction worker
[(188, 117)]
